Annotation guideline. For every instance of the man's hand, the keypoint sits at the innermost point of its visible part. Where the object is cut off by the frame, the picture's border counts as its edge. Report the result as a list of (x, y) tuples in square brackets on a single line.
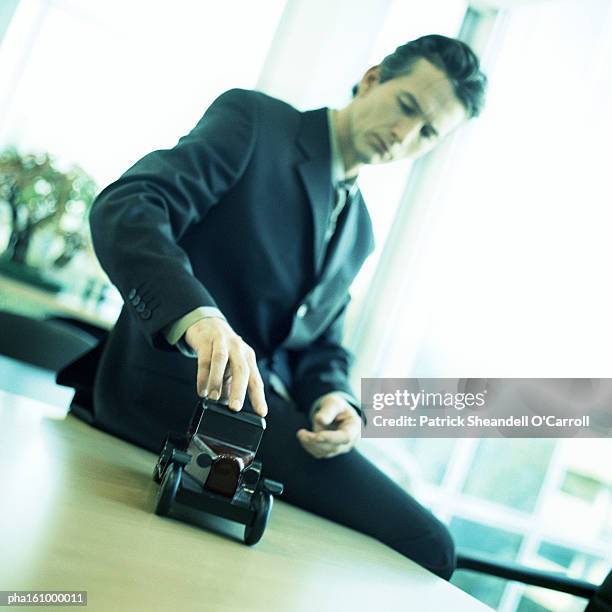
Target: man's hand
[(336, 428), (226, 365)]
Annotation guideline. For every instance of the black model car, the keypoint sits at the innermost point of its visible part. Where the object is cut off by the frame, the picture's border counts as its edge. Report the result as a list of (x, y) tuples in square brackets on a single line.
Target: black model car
[(213, 468)]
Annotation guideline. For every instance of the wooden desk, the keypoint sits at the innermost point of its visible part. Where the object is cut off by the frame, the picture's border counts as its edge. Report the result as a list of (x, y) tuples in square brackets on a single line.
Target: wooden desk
[(77, 514)]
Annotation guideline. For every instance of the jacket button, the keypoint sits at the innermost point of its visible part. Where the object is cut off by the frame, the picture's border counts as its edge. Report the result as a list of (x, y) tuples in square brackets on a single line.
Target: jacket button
[(135, 300), (145, 314), (302, 311), (141, 307), (132, 294)]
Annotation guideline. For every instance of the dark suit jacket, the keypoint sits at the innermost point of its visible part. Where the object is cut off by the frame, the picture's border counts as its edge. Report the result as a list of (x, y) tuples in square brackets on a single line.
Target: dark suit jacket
[(233, 216)]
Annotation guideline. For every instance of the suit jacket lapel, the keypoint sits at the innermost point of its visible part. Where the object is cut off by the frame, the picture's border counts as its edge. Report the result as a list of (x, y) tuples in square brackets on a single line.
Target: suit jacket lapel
[(315, 172)]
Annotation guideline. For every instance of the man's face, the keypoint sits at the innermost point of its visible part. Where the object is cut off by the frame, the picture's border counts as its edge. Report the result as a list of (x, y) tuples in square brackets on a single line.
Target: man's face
[(403, 117)]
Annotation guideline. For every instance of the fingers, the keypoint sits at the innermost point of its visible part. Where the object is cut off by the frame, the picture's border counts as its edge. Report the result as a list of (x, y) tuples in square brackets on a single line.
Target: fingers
[(227, 366), (319, 452), (227, 383), (326, 414), (256, 394), (336, 417), (309, 443), (240, 373), (204, 358), (332, 437), (218, 363), (244, 374), (336, 429), (256, 386), (322, 446)]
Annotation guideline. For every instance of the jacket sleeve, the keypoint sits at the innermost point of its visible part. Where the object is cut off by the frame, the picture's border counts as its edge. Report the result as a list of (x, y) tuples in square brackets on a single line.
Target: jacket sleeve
[(137, 221), (323, 366)]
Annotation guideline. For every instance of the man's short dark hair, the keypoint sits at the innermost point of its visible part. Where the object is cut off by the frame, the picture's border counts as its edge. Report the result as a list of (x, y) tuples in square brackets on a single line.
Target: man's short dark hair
[(452, 56)]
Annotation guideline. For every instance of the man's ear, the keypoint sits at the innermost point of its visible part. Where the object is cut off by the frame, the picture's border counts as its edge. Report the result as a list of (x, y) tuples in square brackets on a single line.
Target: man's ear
[(369, 80)]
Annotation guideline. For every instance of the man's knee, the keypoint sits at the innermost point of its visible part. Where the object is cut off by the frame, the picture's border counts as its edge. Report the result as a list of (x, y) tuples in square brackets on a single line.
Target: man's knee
[(444, 559), (434, 549)]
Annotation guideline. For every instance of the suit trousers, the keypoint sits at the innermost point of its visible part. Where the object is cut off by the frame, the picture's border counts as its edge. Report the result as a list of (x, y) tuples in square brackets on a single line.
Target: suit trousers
[(350, 490)]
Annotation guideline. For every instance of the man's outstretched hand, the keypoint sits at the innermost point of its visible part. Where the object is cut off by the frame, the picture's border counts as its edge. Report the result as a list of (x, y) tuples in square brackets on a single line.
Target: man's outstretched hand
[(336, 428), (226, 365)]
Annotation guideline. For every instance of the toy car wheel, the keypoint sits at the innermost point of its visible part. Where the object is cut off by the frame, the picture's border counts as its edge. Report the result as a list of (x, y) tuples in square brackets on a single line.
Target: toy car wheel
[(262, 505), (172, 442), (168, 489), (158, 470)]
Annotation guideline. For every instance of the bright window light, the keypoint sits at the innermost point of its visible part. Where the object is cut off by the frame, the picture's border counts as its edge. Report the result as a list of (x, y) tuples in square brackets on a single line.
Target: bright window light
[(104, 82)]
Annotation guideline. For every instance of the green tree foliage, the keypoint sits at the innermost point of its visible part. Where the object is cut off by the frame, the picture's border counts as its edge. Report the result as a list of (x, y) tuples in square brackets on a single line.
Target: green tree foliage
[(38, 195)]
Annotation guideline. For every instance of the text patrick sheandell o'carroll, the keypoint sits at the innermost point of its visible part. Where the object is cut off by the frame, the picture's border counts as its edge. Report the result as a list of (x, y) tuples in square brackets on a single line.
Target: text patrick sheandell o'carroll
[(487, 407)]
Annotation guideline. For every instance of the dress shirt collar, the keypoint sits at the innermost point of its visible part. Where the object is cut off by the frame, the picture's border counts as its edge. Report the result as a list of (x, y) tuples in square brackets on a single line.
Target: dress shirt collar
[(338, 172)]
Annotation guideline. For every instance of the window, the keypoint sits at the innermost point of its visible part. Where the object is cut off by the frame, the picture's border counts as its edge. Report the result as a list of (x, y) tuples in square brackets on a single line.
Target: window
[(504, 545), (104, 82), (503, 261), (582, 487), (382, 186), (509, 472)]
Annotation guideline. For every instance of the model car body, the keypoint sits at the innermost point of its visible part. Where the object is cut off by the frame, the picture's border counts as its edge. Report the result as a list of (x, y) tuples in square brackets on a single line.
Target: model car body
[(213, 468)]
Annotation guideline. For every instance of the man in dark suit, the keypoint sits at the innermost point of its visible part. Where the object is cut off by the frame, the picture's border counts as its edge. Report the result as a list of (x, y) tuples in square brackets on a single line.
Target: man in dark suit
[(234, 252)]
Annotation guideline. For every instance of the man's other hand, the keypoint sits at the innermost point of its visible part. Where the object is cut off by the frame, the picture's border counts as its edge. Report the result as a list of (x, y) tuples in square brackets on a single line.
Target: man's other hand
[(336, 428), (226, 365)]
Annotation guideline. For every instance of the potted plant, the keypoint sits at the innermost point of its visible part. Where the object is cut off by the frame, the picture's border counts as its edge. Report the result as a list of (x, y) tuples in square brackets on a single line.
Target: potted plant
[(39, 197)]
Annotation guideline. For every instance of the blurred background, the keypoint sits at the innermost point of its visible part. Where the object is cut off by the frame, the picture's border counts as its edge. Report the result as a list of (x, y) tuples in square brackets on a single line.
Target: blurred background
[(492, 252)]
